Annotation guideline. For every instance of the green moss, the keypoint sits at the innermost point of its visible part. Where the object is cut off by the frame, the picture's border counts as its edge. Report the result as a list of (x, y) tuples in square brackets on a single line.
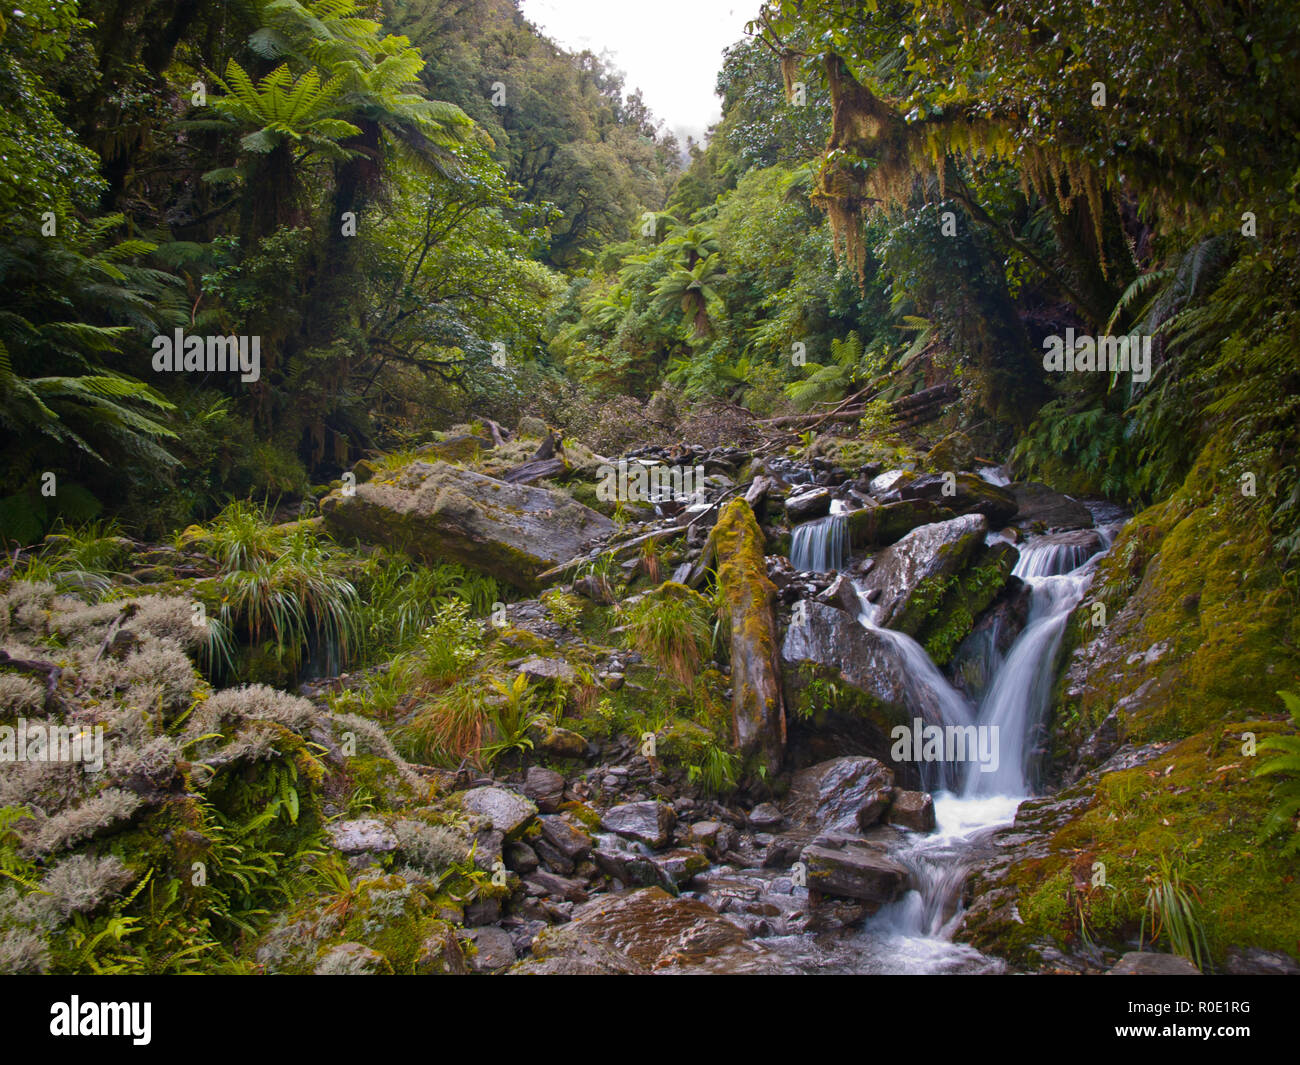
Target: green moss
[(1198, 803)]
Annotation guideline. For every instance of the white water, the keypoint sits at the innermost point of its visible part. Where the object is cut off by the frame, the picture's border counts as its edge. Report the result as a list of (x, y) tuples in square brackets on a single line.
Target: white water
[(820, 546), (917, 929)]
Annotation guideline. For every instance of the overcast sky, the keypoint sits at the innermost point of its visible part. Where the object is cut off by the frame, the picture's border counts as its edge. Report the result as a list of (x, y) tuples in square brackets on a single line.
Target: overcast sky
[(670, 49)]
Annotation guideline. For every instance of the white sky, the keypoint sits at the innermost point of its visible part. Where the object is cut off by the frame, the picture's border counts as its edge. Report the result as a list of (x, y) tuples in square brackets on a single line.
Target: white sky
[(670, 49)]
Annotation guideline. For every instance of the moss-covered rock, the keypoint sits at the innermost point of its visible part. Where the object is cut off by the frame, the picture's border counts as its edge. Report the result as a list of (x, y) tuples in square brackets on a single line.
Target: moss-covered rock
[(513, 532)]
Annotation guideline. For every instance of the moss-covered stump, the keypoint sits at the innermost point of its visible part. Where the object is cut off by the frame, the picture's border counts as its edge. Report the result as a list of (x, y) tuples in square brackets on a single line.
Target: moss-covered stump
[(513, 532), (748, 602)]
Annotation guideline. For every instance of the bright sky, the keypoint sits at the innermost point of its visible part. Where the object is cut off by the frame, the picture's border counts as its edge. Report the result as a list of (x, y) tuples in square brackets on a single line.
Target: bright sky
[(670, 49)]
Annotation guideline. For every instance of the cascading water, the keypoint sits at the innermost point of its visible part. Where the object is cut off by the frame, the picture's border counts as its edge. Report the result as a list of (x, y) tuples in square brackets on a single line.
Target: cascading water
[(821, 546), (917, 928)]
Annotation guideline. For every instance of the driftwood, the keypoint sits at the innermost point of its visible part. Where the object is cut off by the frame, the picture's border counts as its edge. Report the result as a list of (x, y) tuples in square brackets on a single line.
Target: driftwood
[(621, 550), (537, 470)]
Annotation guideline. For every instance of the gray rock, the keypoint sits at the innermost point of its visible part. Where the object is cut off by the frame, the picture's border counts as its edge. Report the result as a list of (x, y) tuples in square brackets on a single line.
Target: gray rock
[(1148, 963), (845, 794), (565, 837), (512, 531), (351, 959), (537, 669), (359, 837), (765, 815), (493, 950), (854, 871), (911, 809), (926, 553), (1039, 505), (520, 857), (1254, 961), (545, 787), (508, 811), (649, 822), (806, 505)]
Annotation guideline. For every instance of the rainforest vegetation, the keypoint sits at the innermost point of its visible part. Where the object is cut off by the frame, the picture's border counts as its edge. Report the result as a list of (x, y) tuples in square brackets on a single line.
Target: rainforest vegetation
[(451, 237)]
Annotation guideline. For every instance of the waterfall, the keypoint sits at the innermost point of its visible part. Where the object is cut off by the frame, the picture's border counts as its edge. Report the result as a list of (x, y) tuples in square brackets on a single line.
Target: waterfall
[(820, 546), (921, 923)]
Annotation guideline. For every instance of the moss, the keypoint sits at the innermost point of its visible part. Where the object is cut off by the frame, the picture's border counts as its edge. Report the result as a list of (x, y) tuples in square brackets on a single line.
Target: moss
[(1196, 802), (949, 606)]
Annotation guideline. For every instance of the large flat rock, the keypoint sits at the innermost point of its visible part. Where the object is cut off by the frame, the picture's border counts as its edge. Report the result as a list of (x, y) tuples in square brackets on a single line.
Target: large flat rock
[(433, 510)]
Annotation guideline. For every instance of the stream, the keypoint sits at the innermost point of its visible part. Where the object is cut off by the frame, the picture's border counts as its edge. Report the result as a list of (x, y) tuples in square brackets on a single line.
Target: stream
[(914, 933)]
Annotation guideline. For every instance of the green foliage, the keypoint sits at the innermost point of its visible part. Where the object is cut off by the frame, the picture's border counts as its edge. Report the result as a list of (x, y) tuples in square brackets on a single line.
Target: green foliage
[(672, 627), (1284, 817), (1172, 910)]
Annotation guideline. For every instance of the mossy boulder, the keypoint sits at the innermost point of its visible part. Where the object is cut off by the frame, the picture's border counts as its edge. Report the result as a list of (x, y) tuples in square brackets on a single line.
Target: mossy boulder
[(436, 511), (748, 601), (874, 527), (909, 578), (963, 493)]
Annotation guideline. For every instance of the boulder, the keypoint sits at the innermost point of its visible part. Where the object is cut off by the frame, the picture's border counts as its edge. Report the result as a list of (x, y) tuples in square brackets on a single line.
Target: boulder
[(508, 811), (804, 505), (648, 822), (639, 931), (458, 448), (565, 837), (361, 837), (963, 493), (923, 557), (911, 809), (493, 949), (539, 669), (436, 511), (875, 527), (854, 870), (846, 794), (545, 787), (1038, 505)]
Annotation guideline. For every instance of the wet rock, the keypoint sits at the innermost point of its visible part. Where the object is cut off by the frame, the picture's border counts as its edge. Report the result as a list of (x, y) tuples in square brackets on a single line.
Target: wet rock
[(543, 883), (514, 532), (855, 870), (705, 832), (1148, 963), (361, 837), (508, 811), (649, 822), (765, 815), (520, 857), (874, 527), (807, 505), (927, 554), (911, 809), (847, 794), (1038, 505), (565, 837), (639, 931), (960, 492)]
